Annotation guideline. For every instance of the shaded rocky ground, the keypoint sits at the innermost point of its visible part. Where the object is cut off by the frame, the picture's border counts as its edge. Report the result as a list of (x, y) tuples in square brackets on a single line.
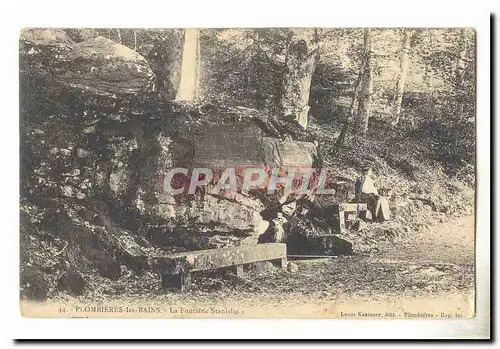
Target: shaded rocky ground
[(96, 143), (421, 269)]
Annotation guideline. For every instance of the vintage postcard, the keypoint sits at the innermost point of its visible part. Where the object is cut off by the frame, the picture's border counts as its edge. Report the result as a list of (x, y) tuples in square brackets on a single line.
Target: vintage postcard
[(248, 173)]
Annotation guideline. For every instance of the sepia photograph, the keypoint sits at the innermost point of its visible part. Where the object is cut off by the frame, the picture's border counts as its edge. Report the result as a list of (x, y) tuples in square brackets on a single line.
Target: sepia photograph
[(248, 173)]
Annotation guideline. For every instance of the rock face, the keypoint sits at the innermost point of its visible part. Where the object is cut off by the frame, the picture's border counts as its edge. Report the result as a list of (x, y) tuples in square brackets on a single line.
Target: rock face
[(96, 143), (76, 109), (289, 153)]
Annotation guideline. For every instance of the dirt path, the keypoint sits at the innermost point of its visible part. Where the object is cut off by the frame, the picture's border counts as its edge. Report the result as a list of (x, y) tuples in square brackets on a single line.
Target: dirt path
[(435, 265), (451, 242), (431, 272)]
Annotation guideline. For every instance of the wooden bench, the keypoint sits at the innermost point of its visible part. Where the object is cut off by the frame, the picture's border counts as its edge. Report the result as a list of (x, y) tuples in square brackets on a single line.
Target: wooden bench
[(176, 268)]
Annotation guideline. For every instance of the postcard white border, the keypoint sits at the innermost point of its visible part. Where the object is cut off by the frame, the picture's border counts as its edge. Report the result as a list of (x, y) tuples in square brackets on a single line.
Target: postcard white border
[(234, 14)]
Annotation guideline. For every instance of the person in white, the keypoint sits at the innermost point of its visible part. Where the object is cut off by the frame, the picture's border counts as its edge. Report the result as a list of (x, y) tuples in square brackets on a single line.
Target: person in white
[(367, 192)]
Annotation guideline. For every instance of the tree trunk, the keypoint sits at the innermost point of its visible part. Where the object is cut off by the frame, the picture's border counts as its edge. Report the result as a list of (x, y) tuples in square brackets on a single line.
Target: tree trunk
[(461, 57), (404, 63), (460, 72), (364, 110), (190, 67), (119, 35), (299, 69), (352, 108)]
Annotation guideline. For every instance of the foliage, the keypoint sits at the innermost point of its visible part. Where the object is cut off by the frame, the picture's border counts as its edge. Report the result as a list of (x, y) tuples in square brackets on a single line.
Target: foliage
[(246, 70), (247, 67)]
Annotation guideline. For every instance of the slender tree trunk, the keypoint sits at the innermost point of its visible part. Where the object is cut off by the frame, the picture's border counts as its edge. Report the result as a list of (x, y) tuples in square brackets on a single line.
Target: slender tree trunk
[(461, 57), (299, 69), (352, 108), (404, 63), (190, 67), (460, 72), (364, 110), (119, 35), (316, 43)]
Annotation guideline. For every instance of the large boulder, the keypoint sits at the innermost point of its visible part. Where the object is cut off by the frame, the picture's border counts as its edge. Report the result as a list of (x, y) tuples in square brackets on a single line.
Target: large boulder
[(107, 66), (216, 214), (288, 153), (98, 64), (140, 163), (237, 144)]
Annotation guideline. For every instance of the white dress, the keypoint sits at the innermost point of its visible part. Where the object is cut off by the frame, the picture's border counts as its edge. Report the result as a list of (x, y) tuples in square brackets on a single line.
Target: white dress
[(367, 186)]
